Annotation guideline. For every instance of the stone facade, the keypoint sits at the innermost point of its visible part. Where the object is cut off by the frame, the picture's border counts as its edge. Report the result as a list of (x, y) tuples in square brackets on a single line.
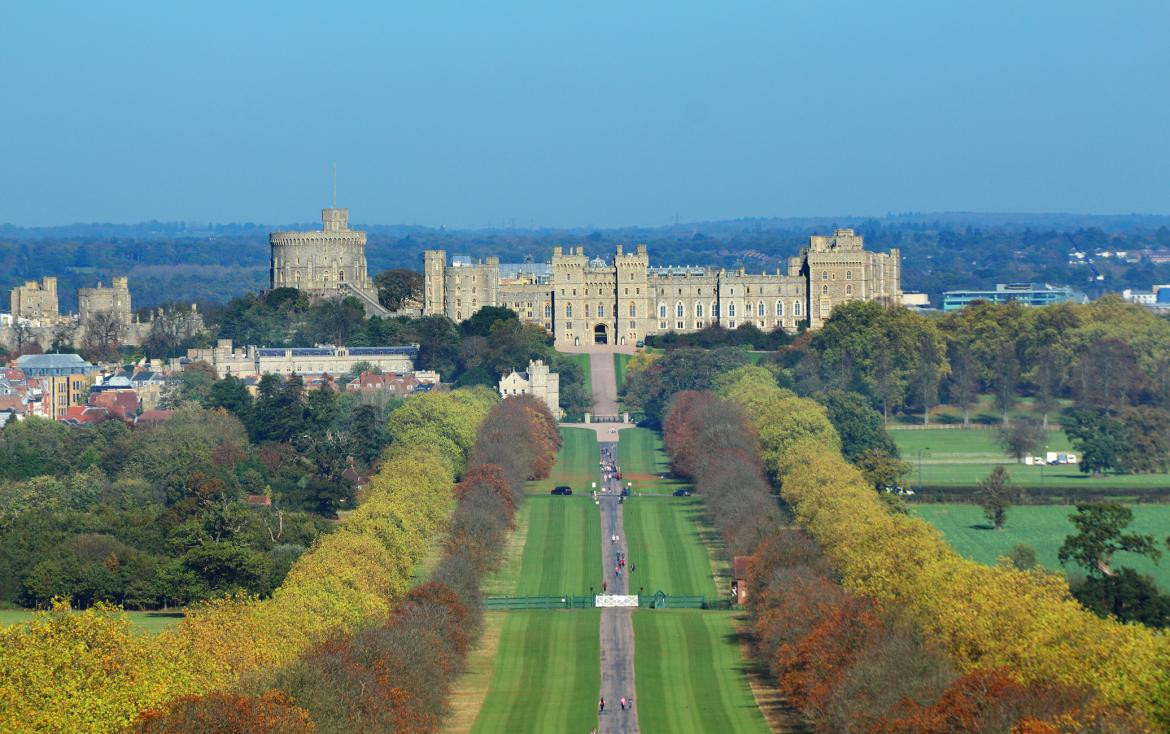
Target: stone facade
[(582, 301), (114, 300), (36, 302), (255, 361), (329, 263), (538, 382)]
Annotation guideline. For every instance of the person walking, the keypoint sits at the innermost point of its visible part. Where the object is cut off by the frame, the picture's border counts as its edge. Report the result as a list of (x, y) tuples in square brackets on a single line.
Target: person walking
[(601, 706), (604, 586), (623, 703)]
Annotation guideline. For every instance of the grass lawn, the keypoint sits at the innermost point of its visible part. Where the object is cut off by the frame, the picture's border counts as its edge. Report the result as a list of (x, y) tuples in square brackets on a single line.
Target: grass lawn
[(960, 457), (690, 674), (642, 460), (146, 623), (620, 363), (546, 675), (666, 546), (982, 412), (582, 361), (1044, 527), (576, 463), (562, 553)]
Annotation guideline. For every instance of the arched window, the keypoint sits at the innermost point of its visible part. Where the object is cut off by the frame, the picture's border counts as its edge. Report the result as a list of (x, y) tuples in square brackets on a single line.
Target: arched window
[(731, 310), (824, 275), (678, 310), (547, 311), (601, 310), (586, 310), (796, 308), (662, 310), (698, 310), (824, 290), (568, 310), (849, 289), (633, 310), (761, 310), (848, 275), (779, 308)]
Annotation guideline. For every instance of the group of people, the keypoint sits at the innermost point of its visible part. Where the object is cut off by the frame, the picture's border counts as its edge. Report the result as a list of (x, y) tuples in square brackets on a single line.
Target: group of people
[(626, 704)]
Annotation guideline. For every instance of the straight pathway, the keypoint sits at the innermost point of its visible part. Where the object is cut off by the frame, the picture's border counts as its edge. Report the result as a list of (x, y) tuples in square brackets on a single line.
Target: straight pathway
[(617, 627), (604, 377)]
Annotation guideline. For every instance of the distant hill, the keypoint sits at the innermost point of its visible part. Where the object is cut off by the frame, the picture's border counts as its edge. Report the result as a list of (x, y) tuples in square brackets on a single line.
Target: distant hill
[(197, 261)]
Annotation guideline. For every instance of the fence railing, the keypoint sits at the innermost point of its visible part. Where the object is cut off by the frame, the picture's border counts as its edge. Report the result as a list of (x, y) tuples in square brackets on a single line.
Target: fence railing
[(649, 601)]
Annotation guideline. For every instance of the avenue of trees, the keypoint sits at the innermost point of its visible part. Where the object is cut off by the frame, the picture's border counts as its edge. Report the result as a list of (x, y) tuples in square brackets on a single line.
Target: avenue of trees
[(838, 650)]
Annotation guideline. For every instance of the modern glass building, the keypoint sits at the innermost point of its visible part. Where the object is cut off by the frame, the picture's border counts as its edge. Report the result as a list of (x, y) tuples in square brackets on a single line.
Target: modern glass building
[(1029, 294)]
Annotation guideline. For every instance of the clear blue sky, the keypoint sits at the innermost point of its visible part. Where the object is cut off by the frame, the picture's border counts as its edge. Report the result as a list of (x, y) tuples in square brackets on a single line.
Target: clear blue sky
[(588, 113)]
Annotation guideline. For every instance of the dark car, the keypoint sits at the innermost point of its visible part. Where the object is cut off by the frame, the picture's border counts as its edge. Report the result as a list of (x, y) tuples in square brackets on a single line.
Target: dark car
[(684, 492), (563, 490)]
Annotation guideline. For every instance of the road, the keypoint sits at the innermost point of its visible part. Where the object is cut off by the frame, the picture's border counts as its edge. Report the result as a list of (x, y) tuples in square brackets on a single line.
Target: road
[(617, 627), (604, 376)]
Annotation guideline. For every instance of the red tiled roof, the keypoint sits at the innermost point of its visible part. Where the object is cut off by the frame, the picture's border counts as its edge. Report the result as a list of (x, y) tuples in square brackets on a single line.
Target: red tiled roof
[(152, 417), (741, 566), (85, 414)]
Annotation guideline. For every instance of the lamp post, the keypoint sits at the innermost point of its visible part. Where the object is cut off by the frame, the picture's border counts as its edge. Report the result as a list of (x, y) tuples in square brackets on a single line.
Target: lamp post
[(1043, 462), (924, 448)]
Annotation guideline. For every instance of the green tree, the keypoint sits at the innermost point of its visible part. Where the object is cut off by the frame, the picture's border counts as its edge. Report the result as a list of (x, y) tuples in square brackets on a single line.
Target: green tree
[(397, 287), (1126, 595), (221, 568), (232, 395), (1020, 438), (1099, 438), (1100, 534), (860, 426), (995, 495), (369, 434), (1022, 556), (882, 470), (481, 322)]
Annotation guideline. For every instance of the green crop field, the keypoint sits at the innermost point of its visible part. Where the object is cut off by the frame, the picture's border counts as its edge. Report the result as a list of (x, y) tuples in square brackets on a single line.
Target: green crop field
[(546, 676), (666, 547), (690, 674), (146, 623), (576, 463), (643, 460), (1044, 527), (960, 457), (562, 553)]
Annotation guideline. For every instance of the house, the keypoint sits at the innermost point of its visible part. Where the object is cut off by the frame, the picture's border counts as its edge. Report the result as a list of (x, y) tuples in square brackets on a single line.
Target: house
[(121, 404), (536, 381), (389, 384), (85, 415), (64, 379), (740, 568)]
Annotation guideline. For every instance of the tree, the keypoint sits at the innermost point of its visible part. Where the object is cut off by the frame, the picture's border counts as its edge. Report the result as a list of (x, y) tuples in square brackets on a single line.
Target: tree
[(860, 426), (482, 321), (232, 395), (1101, 527), (1099, 438), (398, 287), (929, 371), (63, 335), (1127, 595), (964, 383), (882, 470), (1020, 438), (1007, 378), (995, 495), (368, 432), (1022, 556), (169, 331)]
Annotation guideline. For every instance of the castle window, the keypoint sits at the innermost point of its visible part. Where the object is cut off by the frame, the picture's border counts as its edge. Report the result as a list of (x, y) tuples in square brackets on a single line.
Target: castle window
[(601, 310), (824, 275), (341, 275), (731, 312), (568, 310), (714, 310), (662, 310), (574, 291), (848, 275), (732, 293), (834, 276), (633, 310), (698, 310), (849, 290), (547, 311), (633, 324), (678, 310), (627, 291), (824, 290), (796, 308), (760, 309), (779, 308)]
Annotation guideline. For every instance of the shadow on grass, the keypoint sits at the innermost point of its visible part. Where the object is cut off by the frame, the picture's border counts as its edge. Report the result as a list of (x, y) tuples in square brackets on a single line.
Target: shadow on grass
[(981, 526)]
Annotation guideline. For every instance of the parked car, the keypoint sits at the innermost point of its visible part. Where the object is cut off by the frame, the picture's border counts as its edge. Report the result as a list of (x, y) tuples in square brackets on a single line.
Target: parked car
[(684, 492), (562, 490)]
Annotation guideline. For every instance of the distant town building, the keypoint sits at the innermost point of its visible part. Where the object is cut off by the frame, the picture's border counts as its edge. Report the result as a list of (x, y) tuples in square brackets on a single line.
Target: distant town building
[(538, 382), (330, 263), (64, 380), (396, 385), (1029, 294), (256, 361), (624, 300)]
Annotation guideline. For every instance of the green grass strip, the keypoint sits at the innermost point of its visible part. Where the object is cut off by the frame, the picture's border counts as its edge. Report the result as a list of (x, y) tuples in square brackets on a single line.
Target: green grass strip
[(666, 548)]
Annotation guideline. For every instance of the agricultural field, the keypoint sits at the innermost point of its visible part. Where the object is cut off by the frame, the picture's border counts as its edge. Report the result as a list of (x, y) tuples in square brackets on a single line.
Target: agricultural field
[(690, 674), (546, 675), (576, 463), (145, 623), (666, 546), (960, 457), (562, 553), (1044, 527), (643, 461)]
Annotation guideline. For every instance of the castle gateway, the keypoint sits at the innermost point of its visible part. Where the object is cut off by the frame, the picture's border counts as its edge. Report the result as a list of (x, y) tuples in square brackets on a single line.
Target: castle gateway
[(582, 301)]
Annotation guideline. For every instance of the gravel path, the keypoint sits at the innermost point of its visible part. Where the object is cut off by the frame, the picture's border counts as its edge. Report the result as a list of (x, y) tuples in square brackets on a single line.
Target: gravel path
[(604, 376), (617, 629)]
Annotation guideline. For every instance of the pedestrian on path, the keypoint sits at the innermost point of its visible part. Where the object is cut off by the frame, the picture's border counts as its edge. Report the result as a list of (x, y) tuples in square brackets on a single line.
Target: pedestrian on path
[(601, 706), (623, 703), (604, 586)]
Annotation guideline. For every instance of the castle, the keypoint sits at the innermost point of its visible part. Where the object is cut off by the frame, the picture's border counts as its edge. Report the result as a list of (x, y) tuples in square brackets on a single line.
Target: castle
[(582, 301), (326, 263)]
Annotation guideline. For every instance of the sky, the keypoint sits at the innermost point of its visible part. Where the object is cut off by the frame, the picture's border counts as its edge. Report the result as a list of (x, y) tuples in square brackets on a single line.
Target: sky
[(463, 114)]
